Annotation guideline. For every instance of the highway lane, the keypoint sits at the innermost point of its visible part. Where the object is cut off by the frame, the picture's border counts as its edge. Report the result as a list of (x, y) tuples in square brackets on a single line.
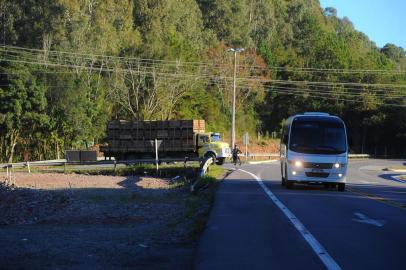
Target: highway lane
[(368, 177), (247, 230)]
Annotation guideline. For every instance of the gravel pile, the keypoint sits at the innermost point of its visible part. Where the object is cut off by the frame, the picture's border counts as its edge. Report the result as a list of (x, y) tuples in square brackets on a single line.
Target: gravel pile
[(97, 222), (131, 201), (25, 206)]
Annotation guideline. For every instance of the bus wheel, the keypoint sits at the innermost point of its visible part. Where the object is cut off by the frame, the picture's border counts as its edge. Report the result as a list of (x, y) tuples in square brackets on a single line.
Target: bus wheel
[(283, 178), (288, 183), (341, 186)]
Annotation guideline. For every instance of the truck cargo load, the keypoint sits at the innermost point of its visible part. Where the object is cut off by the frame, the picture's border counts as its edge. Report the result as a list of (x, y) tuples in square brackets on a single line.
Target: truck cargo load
[(176, 138)]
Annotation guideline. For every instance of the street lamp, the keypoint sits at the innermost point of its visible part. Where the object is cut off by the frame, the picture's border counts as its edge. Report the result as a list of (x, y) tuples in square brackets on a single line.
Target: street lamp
[(235, 50)]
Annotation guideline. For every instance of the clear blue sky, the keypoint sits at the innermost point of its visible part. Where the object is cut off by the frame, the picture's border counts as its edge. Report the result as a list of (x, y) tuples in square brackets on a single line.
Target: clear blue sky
[(383, 21)]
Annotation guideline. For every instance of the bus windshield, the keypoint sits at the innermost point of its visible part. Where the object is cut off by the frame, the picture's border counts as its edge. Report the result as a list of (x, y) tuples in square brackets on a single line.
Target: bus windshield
[(318, 137)]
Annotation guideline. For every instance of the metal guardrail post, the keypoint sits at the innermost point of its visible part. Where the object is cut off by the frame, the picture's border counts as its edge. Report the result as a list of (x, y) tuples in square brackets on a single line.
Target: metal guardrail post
[(28, 166), (10, 179), (204, 168), (184, 162)]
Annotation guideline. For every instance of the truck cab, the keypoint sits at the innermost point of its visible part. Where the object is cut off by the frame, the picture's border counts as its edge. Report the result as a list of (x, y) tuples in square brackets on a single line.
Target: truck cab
[(210, 144)]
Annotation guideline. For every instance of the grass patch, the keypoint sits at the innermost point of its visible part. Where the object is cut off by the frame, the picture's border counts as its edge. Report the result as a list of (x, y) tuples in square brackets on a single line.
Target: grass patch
[(165, 170), (395, 168), (199, 205), (133, 197), (214, 173)]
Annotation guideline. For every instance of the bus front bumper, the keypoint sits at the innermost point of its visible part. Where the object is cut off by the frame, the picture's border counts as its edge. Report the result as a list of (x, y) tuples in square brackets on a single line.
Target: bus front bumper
[(309, 176)]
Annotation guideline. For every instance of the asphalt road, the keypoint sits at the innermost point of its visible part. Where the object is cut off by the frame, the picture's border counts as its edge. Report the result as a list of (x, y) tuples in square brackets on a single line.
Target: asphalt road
[(256, 223)]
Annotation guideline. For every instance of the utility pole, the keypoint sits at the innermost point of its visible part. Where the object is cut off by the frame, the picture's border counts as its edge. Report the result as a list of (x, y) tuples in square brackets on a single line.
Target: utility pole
[(235, 50), (3, 22)]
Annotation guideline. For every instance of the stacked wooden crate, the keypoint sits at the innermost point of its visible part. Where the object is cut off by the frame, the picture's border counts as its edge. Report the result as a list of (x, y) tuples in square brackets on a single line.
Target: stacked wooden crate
[(139, 136)]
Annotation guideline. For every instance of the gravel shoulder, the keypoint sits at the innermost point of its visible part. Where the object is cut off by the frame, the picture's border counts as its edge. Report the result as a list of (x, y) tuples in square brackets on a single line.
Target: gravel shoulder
[(57, 221)]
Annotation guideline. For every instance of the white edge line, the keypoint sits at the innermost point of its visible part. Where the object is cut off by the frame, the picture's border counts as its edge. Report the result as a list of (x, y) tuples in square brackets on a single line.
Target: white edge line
[(320, 251)]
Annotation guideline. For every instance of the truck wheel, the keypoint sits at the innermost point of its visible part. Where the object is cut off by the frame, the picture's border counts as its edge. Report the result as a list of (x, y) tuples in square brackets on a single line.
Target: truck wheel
[(220, 161), (210, 155)]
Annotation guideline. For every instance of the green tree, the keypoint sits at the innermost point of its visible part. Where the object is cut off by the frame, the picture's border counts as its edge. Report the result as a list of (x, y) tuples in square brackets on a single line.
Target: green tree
[(22, 110)]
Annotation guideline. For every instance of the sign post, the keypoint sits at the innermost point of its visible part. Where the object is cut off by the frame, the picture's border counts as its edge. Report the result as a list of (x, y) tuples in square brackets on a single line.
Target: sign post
[(246, 141), (156, 155), (156, 143)]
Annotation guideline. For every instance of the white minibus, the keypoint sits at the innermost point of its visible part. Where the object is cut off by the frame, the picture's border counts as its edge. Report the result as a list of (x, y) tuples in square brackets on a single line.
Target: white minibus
[(314, 150)]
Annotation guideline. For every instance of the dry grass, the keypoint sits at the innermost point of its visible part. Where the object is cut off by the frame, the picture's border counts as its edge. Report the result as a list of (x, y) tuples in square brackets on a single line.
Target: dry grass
[(397, 168)]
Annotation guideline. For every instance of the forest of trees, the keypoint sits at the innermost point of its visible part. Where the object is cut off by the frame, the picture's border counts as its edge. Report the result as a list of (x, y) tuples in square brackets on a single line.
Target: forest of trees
[(67, 67)]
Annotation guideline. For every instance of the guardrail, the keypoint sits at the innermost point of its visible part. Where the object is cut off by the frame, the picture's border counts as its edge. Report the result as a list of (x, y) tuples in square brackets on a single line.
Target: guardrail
[(55, 162), (359, 156), (204, 167), (63, 162), (276, 155)]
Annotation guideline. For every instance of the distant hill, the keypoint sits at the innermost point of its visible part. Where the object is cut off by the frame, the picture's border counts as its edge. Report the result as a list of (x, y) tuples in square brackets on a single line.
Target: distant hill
[(168, 59)]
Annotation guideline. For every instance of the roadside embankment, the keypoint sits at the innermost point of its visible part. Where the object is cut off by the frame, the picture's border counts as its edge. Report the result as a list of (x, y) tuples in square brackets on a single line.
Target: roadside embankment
[(131, 220)]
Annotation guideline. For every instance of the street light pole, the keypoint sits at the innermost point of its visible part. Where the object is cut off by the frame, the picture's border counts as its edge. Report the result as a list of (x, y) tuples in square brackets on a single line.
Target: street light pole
[(234, 90)]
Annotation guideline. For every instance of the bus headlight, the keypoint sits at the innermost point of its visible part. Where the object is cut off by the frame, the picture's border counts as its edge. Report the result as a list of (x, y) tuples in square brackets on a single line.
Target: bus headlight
[(298, 164), (337, 165)]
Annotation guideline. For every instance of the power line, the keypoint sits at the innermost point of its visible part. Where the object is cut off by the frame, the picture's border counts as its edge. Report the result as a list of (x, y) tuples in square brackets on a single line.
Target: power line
[(340, 99), (311, 91), (207, 64), (333, 83), (218, 80), (103, 69), (308, 93)]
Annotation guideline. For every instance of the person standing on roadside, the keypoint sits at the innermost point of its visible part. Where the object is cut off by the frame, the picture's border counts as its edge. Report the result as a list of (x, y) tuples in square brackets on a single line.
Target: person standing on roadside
[(235, 153)]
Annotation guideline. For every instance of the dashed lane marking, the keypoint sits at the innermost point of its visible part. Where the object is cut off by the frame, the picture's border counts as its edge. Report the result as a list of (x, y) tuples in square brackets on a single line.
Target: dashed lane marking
[(378, 198), (320, 251), (361, 218)]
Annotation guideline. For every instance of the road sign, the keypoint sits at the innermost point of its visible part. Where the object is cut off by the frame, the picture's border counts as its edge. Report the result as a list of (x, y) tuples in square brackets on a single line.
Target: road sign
[(158, 143), (246, 139)]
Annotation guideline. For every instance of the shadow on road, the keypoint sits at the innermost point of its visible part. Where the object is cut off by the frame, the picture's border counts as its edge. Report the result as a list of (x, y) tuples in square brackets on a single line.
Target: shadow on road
[(394, 194)]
